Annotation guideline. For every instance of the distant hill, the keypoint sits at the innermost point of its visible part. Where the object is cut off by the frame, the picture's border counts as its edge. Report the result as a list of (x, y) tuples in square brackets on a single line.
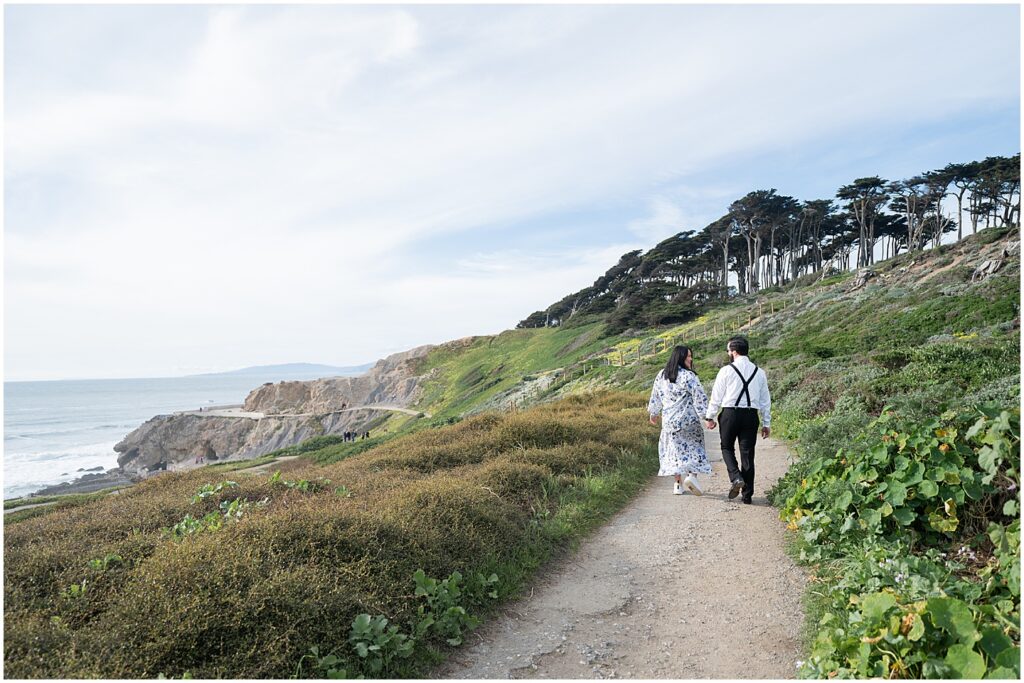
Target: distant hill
[(297, 369)]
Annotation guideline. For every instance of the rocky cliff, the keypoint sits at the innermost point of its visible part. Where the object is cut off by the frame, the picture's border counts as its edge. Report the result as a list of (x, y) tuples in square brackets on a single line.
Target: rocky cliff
[(281, 414), (391, 381)]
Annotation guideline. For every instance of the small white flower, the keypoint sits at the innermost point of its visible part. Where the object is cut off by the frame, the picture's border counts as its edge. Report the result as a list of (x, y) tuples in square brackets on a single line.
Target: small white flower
[(799, 663)]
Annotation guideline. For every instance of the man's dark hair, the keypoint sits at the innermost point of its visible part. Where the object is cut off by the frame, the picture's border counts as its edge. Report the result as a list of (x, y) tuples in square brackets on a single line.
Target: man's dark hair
[(739, 345)]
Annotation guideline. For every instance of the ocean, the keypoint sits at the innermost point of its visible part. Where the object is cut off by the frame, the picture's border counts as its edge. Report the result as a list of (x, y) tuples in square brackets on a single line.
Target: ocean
[(54, 429)]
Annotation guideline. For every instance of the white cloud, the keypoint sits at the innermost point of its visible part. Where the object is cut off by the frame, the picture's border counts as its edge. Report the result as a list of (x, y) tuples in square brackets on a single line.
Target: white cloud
[(665, 219), (259, 190)]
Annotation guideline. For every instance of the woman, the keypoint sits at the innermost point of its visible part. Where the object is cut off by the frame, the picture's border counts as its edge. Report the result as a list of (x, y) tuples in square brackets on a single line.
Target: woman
[(680, 399)]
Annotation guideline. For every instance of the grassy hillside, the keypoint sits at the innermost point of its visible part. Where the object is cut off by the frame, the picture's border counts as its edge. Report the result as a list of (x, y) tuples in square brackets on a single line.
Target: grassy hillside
[(243, 578), (891, 373)]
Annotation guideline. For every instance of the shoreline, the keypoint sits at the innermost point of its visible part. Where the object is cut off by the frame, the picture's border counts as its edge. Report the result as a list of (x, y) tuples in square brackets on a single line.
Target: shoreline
[(90, 482)]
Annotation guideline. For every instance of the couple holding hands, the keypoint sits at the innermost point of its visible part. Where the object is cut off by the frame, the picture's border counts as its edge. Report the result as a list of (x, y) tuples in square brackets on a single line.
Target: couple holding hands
[(740, 392)]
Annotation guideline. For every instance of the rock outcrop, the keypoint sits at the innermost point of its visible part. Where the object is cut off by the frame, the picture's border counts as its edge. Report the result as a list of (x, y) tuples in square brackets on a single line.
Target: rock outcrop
[(391, 381), (291, 413)]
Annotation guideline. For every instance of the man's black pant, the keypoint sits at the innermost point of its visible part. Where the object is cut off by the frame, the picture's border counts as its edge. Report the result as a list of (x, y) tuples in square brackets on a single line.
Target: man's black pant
[(739, 424)]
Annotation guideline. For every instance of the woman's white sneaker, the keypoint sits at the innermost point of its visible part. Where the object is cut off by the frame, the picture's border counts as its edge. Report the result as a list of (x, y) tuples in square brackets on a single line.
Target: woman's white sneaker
[(678, 490), (691, 483)]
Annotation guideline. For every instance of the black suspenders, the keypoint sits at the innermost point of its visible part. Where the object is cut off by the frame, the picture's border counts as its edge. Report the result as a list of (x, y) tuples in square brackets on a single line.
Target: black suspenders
[(746, 384)]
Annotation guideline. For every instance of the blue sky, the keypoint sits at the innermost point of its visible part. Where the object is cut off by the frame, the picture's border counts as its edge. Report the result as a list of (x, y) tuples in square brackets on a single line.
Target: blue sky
[(194, 188)]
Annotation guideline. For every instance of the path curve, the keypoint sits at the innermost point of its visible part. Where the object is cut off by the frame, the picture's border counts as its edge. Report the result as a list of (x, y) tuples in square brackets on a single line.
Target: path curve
[(26, 507), (671, 587), (237, 411)]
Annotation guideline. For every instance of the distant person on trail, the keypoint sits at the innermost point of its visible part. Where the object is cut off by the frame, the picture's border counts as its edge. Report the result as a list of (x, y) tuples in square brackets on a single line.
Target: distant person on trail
[(680, 399), (741, 391)]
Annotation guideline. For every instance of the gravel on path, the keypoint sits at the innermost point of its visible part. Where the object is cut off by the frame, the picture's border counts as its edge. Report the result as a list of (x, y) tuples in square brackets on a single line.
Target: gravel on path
[(672, 587)]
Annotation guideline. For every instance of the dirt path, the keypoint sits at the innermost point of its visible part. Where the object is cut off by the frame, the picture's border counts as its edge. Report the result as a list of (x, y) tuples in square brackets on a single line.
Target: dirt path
[(267, 466), (239, 411), (671, 587), (27, 507)]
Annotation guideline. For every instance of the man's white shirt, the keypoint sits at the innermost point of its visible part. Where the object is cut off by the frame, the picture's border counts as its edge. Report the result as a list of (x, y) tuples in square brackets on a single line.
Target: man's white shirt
[(729, 386)]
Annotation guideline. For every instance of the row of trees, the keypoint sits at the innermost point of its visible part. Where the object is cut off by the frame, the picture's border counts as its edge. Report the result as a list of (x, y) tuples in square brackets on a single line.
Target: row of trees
[(767, 239)]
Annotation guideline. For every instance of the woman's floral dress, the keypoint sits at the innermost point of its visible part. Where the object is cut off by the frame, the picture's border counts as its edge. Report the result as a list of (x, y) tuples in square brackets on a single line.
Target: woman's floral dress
[(681, 404)]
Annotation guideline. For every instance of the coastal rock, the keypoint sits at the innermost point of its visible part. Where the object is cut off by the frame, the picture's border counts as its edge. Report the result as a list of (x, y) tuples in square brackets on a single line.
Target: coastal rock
[(291, 413), (392, 381), (88, 483), (168, 439)]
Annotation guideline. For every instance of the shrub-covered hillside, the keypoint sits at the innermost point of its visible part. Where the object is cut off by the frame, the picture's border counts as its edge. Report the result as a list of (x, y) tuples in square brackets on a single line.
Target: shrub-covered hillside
[(241, 577)]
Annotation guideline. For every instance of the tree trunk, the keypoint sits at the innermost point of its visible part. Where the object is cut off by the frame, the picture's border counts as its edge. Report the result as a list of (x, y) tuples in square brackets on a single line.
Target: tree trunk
[(960, 214)]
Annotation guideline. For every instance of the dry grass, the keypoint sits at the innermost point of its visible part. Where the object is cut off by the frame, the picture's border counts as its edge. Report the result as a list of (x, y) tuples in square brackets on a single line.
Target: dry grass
[(249, 599)]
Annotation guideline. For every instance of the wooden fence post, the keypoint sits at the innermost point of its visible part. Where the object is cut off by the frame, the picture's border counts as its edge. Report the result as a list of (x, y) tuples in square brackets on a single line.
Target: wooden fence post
[(622, 361)]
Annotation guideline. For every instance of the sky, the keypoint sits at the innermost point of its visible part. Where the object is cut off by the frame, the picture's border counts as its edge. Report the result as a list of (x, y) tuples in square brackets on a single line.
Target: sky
[(201, 188)]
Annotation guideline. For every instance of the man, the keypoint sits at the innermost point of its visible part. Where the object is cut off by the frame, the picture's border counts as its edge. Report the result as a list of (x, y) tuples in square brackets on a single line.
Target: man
[(741, 391)]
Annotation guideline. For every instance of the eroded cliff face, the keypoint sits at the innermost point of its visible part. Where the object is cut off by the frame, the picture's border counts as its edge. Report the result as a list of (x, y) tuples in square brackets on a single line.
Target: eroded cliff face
[(175, 441), (391, 381), (292, 412)]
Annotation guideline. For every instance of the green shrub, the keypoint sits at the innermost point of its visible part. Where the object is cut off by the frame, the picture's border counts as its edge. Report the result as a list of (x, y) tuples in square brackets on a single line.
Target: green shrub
[(873, 518)]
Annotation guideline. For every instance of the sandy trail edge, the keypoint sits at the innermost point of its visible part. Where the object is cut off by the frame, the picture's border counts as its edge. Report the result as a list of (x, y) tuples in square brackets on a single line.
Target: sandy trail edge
[(671, 587)]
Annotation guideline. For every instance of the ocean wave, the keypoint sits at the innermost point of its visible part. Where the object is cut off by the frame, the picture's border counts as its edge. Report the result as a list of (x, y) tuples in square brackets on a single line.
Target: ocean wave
[(47, 433), (79, 451)]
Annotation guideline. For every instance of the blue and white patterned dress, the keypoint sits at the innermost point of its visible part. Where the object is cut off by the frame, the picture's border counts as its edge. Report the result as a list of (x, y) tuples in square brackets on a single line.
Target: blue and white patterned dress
[(681, 404)]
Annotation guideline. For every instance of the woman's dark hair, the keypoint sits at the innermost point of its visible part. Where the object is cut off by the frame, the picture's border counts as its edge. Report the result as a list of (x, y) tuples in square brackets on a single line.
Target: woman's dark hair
[(675, 362)]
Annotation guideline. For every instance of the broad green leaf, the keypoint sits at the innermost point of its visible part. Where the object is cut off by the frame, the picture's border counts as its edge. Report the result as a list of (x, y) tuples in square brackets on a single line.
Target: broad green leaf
[(904, 515), (914, 475), (1010, 508), (965, 661), (1001, 673), (942, 523), (973, 490), (917, 629), (871, 518), (1010, 658), (927, 488), (994, 641), (954, 617), (988, 459), (843, 501), (361, 623), (976, 428), (897, 493), (874, 606)]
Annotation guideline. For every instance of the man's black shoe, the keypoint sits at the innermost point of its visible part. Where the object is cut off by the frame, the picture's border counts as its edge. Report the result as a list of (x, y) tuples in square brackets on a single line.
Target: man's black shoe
[(746, 500), (735, 490)]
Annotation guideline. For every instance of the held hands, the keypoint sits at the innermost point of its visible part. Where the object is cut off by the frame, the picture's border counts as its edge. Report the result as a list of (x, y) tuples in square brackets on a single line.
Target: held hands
[(654, 420), (710, 424), (766, 432)]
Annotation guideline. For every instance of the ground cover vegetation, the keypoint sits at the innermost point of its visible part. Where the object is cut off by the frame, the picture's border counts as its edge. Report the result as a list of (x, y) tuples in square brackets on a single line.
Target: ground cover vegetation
[(372, 565)]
